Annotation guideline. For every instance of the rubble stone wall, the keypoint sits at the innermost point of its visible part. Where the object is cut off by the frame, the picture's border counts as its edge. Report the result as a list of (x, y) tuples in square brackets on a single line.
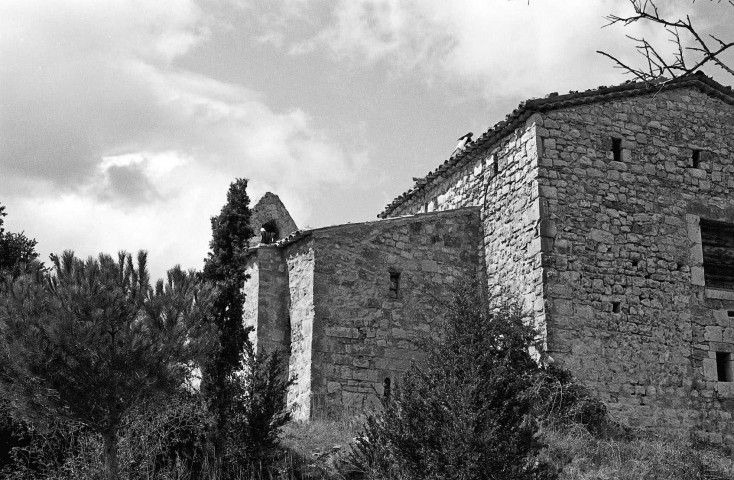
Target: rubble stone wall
[(628, 308), (363, 331), (502, 181)]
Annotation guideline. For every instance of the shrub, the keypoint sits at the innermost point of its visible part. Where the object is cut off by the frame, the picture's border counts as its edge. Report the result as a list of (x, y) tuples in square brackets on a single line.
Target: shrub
[(154, 441), (466, 413), (257, 411), (559, 400)]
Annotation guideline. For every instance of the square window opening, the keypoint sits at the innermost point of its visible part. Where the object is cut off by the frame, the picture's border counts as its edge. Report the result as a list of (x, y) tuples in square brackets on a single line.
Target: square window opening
[(730, 313), (616, 307), (696, 159), (717, 243), (724, 367), (394, 284), (617, 149)]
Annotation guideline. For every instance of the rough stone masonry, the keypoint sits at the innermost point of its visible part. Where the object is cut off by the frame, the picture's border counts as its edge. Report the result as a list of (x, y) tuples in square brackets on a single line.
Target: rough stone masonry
[(610, 212)]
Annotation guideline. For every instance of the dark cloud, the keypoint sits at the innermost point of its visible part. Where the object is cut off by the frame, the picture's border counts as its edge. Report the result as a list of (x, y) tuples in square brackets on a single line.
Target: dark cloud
[(128, 185)]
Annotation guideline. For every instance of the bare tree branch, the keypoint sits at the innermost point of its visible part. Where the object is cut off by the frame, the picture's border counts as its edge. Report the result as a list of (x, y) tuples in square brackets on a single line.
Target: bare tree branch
[(691, 49)]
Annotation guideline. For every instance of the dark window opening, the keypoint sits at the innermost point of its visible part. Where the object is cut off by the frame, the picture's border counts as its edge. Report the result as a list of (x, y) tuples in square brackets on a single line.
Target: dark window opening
[(269, 232), (723, 366), (495, 165), (616, 307), (394, 284), (386, 388), (717, 242), (696, 159), (730, 313), (617, 149)]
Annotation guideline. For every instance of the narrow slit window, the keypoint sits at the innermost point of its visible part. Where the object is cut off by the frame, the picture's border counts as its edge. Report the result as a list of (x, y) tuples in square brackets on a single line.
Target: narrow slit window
[(394, 284), (495, 165), (386, 388), (717, 242), (724, 367), (617, 149), (696, 159)]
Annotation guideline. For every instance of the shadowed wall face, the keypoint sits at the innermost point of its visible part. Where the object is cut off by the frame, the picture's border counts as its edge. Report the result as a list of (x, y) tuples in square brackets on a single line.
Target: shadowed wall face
[(378, 288)]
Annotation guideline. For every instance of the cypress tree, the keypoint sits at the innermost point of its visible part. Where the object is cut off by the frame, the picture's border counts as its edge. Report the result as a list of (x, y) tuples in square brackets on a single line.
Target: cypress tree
[(224, 267)]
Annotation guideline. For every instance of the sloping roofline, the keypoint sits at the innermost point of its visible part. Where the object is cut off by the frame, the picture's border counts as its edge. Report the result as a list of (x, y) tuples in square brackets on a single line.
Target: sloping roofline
[(554, 102), (393, 221)]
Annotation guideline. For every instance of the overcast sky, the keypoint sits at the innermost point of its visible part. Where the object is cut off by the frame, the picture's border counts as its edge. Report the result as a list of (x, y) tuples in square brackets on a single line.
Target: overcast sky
[(122, 123)]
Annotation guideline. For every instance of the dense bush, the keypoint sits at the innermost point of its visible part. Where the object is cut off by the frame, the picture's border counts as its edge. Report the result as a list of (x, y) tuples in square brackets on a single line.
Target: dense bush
[(467, 412), (155, 441)]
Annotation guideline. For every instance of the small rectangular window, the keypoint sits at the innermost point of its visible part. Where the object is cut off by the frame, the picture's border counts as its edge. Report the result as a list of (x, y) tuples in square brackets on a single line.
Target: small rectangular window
[(717, 243), (696, 159), (617, 149), (394, 284), (495, 165), (723, 367), (616, 307)]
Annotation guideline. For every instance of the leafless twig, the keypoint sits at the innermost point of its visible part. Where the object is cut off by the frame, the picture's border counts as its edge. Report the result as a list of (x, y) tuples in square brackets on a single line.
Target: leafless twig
[(692, 50)]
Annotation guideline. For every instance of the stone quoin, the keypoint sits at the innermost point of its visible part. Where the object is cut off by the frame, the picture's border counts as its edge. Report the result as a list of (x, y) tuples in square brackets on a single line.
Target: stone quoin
[(610, 212)]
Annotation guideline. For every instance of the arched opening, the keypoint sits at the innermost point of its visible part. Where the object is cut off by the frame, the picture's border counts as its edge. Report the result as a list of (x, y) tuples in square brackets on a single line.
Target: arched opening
[(269, 232)]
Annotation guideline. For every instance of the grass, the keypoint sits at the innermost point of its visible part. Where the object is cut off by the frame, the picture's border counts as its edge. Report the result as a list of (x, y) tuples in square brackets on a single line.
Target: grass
[(584, 457), (578, 454), (314, 448)]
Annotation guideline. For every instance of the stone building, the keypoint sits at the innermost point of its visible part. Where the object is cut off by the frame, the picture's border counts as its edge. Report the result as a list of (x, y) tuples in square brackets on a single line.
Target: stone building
[(610, 211)]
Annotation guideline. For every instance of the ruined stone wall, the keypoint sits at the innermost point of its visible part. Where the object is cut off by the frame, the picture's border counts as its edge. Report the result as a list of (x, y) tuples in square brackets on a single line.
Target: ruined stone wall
[(627, 307), (502, 181), (300, 261), (273, 326), (267, 299), (363, 331)]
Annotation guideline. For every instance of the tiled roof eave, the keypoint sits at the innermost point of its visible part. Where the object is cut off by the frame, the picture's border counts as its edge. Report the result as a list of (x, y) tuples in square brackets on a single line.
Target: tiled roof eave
[(529, 107)]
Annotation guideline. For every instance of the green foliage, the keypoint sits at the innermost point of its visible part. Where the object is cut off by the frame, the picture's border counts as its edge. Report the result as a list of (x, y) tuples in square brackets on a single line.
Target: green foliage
[(156, 440), (257, 411), (225, 268), (15, 249), (466, 413), (92, 339)]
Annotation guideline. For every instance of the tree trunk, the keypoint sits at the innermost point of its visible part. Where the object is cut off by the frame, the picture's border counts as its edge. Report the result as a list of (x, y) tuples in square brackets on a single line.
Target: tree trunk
[(110, 454)]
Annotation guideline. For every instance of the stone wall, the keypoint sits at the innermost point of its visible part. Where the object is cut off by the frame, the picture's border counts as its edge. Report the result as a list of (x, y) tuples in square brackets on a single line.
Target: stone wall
[(628, 309), (365, 331), (502, 181), (251, 291), (270, 208), (300, 260)]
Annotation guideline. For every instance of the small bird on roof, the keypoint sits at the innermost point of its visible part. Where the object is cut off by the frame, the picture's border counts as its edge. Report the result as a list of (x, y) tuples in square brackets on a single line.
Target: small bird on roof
[(463, 141)]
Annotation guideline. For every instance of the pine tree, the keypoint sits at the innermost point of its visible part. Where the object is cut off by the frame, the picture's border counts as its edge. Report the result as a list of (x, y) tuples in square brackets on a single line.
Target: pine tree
[(91, 339), (224, 267)]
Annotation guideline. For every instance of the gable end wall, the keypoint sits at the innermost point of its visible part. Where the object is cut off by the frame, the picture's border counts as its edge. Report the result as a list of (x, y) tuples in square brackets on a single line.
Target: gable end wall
[(627, 308)]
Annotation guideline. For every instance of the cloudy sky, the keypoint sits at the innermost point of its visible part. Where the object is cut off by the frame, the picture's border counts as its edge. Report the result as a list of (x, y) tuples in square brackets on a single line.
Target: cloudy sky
[(122, 122)]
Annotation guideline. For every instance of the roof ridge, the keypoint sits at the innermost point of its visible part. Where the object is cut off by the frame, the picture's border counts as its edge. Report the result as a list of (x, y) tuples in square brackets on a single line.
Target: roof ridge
[(554, 101)]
